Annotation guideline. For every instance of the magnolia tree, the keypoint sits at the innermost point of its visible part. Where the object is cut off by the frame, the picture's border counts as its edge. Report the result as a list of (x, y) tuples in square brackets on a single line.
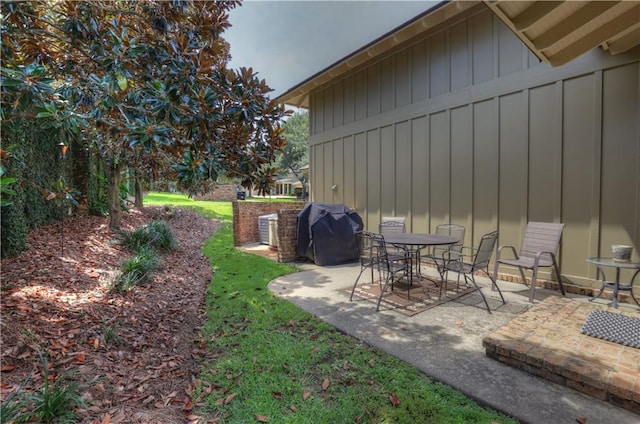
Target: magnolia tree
[(145, 83)]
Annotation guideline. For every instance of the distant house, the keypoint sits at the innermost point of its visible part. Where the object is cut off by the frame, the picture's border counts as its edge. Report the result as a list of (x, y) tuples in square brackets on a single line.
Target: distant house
[(489, 115), (291, 185)]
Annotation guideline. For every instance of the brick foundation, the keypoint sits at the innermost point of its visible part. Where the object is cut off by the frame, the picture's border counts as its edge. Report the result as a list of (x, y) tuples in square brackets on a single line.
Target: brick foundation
[(546, 341)]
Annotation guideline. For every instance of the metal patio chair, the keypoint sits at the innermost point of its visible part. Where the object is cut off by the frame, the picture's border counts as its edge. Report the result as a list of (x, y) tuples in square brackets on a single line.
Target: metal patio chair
[(469, 261), (374, 256), (393, 224), (436, 253), (539, 248)]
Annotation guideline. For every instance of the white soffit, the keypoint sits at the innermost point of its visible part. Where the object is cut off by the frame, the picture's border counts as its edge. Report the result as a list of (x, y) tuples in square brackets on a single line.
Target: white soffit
[(560, 31)]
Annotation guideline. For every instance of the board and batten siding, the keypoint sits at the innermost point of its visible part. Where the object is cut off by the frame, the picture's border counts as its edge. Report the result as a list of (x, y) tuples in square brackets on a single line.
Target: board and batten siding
[(466, 126)]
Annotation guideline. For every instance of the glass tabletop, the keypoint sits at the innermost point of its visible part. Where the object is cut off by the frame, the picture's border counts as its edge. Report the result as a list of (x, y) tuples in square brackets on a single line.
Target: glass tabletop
[(614, 264)]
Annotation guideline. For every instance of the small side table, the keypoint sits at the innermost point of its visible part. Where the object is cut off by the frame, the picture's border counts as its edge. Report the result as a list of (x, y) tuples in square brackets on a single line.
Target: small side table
[(616, 285)]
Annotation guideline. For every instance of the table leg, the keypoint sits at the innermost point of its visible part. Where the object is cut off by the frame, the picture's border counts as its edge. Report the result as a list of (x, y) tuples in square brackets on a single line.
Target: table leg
[(604, 283), (616, 288)]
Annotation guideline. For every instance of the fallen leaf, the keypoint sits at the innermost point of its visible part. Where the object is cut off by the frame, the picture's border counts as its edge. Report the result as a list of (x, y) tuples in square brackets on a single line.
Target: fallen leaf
[(394, 399), (582, 420), (261, 418), (345, 365), (106, 419), (80, 357), (230, 398), (6, 368), (306, 395), (277, 395), (325, 384), (459, 323), (372, 363), (293, 408)]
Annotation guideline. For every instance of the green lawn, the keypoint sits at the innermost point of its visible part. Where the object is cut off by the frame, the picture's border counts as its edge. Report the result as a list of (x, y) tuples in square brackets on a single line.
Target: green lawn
[(273, 362)]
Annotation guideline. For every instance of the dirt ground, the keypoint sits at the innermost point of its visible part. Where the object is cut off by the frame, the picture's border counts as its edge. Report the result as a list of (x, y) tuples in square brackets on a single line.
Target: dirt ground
[(135, 355)]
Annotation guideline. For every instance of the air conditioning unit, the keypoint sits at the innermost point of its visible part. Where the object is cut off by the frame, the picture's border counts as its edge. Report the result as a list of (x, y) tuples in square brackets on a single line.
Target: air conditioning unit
[(273, 231), (263, 227)]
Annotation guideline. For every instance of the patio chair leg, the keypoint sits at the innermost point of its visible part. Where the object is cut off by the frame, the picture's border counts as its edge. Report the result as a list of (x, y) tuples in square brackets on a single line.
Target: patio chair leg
[(524, 277), (532, 291), (473, 280), (555, 266), (494, 285), (384, 289), (356, 283)]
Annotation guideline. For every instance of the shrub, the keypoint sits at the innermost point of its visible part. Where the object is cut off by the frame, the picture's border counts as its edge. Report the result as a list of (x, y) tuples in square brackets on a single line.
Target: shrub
[(54, 402), (156, 234), (136, 269)]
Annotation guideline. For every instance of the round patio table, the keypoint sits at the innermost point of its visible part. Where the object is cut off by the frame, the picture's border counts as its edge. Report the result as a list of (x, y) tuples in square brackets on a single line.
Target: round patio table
[(616, 285), (414, 242)]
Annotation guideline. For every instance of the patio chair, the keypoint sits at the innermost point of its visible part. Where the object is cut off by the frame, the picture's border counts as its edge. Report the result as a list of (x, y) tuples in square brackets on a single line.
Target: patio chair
[(393, 224), (539, 247), (469, 261), (436, 254), (374, 256)]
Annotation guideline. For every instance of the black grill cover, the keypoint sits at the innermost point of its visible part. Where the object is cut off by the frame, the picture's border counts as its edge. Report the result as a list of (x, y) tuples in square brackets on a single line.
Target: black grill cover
[(326, 233)]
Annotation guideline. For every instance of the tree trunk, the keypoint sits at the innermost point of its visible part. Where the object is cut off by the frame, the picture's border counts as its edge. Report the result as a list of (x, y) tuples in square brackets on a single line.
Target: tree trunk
[(80, 172), (113, 172), (138, 192)]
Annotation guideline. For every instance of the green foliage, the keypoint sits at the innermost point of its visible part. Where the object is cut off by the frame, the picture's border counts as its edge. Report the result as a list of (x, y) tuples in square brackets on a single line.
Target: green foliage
[(144, 86), (136, 270), (156, 235), (295, 154), (5, 190), (55, 401)]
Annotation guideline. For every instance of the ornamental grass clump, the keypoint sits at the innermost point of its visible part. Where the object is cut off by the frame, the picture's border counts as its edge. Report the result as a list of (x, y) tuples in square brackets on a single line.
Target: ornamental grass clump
[(137, 269), (157, 234), (55, 401)]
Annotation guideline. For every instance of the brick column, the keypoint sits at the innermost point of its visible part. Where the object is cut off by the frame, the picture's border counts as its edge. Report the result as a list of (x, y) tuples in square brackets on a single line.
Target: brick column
[(287, 234)]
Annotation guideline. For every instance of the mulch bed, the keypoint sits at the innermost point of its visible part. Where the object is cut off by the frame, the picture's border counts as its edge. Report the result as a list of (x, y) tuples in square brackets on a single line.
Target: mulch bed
[(136, 354)]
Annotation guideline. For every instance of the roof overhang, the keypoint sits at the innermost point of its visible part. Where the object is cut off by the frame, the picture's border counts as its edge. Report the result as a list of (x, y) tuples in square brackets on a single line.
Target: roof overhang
[(299, 95), (560, 31), (555, 31)]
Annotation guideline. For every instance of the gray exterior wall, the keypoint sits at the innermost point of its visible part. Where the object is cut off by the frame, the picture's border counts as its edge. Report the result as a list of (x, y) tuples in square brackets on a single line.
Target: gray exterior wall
[(464, 125)]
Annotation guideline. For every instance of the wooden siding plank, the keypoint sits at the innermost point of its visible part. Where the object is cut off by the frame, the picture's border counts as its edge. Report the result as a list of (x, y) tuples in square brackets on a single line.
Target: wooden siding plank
[(403, 171), (373, 179), (350, 165), (513, 171), (438, 65), (544, 144), (440, 168), (462, 168), (485, 169), (420, 174), (387, 171), (458, 39), (361, 175), (338, 171), (419, 72), (402, 79), (387, 82), (580, 174)]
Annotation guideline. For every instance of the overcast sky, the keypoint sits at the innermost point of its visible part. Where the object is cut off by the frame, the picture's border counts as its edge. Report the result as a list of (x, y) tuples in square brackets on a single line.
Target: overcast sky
[(288, 41)]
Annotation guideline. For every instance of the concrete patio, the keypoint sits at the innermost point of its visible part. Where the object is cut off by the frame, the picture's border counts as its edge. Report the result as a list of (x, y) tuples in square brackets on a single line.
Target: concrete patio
[(446, 343)]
